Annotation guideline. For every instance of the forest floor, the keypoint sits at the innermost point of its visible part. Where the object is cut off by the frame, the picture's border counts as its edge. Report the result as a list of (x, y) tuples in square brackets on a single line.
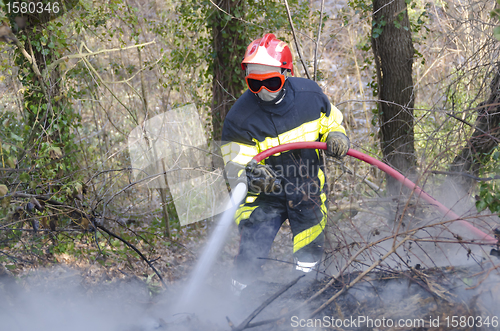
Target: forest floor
[(120, 292)]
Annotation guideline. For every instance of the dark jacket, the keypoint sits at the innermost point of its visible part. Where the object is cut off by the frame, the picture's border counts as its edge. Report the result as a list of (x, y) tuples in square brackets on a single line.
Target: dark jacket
[(304, 114)]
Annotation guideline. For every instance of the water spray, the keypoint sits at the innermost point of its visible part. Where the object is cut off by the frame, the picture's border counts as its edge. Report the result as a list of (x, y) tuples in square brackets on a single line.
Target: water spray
[(214, 245)]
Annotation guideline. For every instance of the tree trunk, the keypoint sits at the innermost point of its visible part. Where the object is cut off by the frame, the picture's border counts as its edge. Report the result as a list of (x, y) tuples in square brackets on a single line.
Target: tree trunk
[(393, 50), (483, 140), (229, 48)]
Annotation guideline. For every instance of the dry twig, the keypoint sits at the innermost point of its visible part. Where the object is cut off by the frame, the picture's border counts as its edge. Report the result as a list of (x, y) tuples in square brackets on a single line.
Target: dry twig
[(245, 324), (135, 249), (360, 276), (295, 39)]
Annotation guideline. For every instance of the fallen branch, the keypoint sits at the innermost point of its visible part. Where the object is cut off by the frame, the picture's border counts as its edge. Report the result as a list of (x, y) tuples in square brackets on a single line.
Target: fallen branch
[(484, 278), (245, 324), (134, 248), (360, 276), (334, 278)]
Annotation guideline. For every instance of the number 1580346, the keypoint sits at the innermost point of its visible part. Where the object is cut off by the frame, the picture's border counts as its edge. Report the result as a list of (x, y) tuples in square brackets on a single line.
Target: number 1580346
[(32, 7), (471, 321)]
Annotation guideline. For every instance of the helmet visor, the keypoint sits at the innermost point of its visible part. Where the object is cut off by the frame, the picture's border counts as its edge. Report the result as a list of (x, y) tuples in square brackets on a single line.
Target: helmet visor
[(272, 82)]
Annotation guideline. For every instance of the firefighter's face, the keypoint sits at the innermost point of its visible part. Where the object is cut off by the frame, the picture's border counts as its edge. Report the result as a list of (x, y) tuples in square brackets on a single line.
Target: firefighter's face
[(256, 70)]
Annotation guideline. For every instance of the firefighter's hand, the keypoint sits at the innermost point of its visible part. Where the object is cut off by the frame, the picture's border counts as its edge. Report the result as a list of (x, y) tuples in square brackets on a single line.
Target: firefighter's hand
[(235, 173), (337, 145), (262, 179)]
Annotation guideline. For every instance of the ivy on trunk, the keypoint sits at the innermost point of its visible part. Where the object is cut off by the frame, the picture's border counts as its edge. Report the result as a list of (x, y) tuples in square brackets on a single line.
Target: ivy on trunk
[(393, 50)]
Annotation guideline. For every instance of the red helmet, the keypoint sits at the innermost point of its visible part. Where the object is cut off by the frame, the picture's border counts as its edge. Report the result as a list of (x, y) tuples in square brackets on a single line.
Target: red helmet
[(268, 51)]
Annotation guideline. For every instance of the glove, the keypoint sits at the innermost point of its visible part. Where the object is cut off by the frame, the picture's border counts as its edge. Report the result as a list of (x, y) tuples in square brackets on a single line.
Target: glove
[(261, 178), (235, 173), (337, 144)]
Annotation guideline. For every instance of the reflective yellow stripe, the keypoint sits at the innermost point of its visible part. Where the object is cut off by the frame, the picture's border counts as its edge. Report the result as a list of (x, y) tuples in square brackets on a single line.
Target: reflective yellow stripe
[(323, 205), (307, 236), (321, 176), (243, 213), (309, 131), (306, 132), (239, 153), (332, 123), (250, 199)]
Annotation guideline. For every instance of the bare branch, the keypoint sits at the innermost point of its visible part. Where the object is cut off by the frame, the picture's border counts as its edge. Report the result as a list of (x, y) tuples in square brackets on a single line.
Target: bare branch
[(317, 41), (295, 39)]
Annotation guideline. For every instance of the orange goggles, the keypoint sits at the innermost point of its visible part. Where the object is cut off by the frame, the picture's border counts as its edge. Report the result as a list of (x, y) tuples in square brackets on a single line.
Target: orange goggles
[(272, 82)]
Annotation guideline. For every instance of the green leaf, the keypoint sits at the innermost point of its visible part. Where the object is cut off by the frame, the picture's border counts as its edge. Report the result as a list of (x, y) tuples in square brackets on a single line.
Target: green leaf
[(5, 202), (496, 32), (24, 177), (11, 162), (55, 153), (481, 205), (3, 190), (15, 137)]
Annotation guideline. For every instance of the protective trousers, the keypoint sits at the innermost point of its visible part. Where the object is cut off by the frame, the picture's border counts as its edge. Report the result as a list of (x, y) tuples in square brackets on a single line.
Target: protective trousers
[(259, 220)]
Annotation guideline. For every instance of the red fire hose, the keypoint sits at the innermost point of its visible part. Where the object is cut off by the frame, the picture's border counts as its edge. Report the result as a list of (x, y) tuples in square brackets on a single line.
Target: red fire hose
[(384, 167)]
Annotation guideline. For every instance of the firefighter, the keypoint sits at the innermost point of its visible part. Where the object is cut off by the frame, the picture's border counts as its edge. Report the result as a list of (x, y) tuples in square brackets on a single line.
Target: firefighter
[(278, 109)]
